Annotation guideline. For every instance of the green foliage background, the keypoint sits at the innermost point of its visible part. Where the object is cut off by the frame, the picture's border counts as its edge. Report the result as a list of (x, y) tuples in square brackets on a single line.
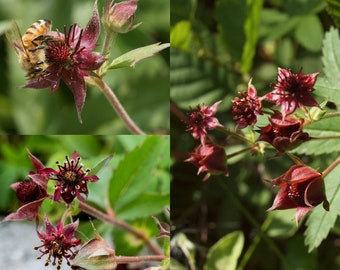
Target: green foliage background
[(143, 91), (216, 47)]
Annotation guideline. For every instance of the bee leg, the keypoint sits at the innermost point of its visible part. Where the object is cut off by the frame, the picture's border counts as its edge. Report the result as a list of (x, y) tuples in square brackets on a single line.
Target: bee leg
[(41, 39), (37, 47)]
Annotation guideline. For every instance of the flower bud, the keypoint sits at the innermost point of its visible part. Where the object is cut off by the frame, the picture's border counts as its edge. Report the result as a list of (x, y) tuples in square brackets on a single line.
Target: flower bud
[(119, 18), (209, 158), (95, 255)]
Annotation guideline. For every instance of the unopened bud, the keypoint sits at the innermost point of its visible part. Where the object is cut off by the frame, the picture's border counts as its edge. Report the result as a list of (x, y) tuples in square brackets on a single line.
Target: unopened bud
[(95, 255), (119, 18)]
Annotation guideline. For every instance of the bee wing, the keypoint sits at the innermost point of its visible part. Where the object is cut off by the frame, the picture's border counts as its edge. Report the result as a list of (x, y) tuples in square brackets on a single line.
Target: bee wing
[(14, 38)]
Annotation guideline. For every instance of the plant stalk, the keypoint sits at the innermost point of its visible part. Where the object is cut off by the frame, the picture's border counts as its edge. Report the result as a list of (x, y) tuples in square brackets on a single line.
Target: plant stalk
[(121, 224)]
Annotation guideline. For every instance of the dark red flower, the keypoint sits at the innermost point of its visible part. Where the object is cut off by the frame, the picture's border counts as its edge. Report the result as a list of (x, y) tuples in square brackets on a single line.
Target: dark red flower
[(302, 188), (209, 158), (283, 134), (247, 108), (70, 56), (57, 242), (31, 192), (202, 119), (292, 90), (31, 195), (71, 180)]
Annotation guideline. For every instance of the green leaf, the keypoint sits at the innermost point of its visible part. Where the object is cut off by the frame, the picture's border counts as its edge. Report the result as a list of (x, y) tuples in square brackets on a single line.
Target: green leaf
[(325, 127), (188, 248), (251, 27), (127, 244), (134, 174), (328, 88), (297, 255), (101, 164), (193, 81), (225, 252), (231, 27), (181, 36), (333, 9), (331, 54), (131, 58), (320, 221), (143, 206), (309, 33)]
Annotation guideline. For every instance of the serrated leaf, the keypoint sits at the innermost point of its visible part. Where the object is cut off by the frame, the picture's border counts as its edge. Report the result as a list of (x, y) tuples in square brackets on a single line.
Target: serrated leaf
[(320, 221), (331, 54), (251, 27), (193, 81), (328, 88), (225, 253), (333, 9), (309, 33), (133, 175), (131, 58), (325, 127)]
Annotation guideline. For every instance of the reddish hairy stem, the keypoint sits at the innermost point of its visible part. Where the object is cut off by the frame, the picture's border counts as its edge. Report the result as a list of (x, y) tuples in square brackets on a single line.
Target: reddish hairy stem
[(112, 98), (121, 224), (130, 259), (331, 167)]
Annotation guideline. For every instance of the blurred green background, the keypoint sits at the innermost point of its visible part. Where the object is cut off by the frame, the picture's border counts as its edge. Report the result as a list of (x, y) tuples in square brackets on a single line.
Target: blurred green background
[(143, 91)]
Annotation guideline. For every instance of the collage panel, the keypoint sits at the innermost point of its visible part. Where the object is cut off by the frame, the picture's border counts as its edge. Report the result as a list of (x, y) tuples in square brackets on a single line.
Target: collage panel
[(255, 128), (84, 67), (84, 202)]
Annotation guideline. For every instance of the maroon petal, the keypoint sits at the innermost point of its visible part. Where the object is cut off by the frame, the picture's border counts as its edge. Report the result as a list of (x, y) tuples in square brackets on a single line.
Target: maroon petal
[(40, 83), (306, 99), (35, 161), (75, 81), (75, 155), (315, 192), (282, 201), (89, 60), (39, 179), (70, 229), (92, 30), (28, 211), (299, 173), (301, 211), (91, 178)]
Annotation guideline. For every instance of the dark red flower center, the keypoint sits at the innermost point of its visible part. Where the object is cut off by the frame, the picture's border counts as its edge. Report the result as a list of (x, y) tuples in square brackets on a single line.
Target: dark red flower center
[(196, 118), (296, 192), (71, 173), (57, 53)]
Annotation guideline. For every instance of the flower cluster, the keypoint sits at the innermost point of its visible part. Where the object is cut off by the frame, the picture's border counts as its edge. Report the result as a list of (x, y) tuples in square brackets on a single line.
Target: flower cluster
[(301, 186), (71, 180)]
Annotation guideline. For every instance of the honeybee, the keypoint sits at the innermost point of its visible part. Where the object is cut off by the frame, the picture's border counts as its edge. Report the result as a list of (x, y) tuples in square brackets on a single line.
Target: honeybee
[(30, 46)]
